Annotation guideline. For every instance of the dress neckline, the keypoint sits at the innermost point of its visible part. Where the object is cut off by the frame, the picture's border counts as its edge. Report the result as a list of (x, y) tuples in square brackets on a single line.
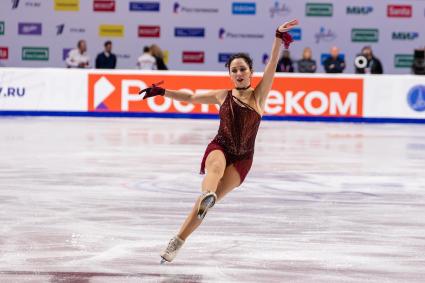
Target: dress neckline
[(246, 105)]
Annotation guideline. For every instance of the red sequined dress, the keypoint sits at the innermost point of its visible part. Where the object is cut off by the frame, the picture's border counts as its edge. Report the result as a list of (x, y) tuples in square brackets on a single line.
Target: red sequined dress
[(239, 124)]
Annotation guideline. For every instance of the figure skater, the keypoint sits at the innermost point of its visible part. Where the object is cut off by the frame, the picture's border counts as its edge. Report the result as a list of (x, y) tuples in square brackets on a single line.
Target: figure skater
[(229, 155)]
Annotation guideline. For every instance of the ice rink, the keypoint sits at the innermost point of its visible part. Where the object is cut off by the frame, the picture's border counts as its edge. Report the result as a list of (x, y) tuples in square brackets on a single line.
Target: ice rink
[(96, 199)]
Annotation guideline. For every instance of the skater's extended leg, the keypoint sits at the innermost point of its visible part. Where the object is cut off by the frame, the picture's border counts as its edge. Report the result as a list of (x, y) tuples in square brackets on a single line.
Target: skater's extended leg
[(228, 182), (215, 166)]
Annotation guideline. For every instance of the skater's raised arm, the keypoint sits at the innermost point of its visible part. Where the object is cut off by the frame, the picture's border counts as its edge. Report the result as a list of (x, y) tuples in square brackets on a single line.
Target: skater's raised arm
[(210, 97), (265, 85)]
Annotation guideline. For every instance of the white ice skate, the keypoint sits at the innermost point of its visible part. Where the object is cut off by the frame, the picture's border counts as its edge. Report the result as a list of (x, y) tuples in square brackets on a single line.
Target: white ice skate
[(171, 251), (207, 201)]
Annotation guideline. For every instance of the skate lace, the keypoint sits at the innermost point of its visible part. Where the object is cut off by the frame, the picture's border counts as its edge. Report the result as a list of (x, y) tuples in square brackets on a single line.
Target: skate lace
[(172, 246)]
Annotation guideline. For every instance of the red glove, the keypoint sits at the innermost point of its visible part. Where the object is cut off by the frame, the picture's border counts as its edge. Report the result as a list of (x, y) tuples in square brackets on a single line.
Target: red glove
[(286, 38), (154, 90)]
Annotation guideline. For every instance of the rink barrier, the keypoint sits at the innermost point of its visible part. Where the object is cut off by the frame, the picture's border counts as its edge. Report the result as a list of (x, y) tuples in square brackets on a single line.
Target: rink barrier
[(207, 116), (293, 97)]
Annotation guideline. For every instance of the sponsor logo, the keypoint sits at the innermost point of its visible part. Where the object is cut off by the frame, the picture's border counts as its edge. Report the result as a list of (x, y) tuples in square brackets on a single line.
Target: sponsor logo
[(4, 53), (111, 30), (223, 57), (104, 5), (193, 57), (31, 4), (325, 56), (1, 28), (222, 34), (77, 30), (416, 98), (244, 8), (316, 97), (189, 32), (61, 28), (265, 58), (35, 53), (65, 53), (319, 9), (328, 97), (29, 28), (364, 35), (359, 10), (177, 8), (403, 60), (67, 5), (404, 35), (325, 35), (144, 6), (8, 91), (399, 11), (296, 33), (149, 31), (15, 4), (279, 10), (123, 56), (110, 92)]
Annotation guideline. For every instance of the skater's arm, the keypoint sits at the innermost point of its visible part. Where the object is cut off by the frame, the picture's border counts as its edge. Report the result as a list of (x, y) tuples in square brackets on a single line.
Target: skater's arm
[(210, 97), (263, 88)]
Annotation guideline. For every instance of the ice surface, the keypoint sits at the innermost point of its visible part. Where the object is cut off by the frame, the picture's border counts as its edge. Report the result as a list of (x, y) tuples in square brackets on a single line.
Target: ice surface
[(96, 199)]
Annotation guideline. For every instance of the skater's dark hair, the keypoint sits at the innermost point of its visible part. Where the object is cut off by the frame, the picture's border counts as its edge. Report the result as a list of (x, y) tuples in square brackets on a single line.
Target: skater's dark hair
[(243, 56)]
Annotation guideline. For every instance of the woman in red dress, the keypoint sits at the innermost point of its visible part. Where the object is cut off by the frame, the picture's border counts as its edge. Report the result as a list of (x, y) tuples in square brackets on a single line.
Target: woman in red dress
[(229, 155)]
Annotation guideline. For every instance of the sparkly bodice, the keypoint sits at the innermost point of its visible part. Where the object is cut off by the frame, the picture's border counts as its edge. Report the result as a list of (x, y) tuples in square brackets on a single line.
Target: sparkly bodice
[(239, 124)]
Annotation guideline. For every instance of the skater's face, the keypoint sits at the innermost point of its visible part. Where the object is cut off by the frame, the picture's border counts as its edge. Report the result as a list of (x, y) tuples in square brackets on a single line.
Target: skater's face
[(240, 73)]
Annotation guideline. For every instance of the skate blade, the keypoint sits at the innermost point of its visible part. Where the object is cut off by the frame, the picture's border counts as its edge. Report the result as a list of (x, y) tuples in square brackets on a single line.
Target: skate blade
[(163, 260), (204, 206)]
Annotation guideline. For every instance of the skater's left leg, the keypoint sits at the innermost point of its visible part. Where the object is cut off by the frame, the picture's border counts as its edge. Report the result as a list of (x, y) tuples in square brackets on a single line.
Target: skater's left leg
[(228, 182), (215, 167), (231, 180)]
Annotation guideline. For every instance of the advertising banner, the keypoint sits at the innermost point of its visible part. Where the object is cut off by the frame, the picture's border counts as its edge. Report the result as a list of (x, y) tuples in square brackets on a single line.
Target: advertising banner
[(293, 96)]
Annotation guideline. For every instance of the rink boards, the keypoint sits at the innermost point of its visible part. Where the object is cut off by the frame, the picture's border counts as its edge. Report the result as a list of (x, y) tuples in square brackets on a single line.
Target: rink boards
[(316, 97)]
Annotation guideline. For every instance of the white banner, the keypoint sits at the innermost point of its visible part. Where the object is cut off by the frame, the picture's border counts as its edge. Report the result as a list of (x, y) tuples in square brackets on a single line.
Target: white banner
[(394, 97), (43, 89)]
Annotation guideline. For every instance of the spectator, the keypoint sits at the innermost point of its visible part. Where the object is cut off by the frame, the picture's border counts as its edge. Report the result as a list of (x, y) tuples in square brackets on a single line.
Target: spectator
[(418, 66), (106, 59), (307, 64), (285, 63), (146, 61), (373, 64), (78, 57), (334, 63), (159, 57)]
